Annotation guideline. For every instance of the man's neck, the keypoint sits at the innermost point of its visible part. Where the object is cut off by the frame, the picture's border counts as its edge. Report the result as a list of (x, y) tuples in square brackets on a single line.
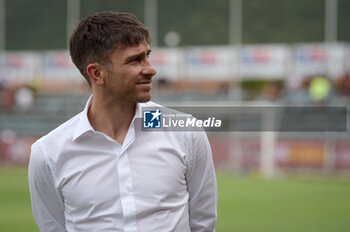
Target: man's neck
[(111, 118)]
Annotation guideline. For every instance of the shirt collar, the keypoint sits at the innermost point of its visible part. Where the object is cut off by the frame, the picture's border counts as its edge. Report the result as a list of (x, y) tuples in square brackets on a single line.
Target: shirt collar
[(84, 124)]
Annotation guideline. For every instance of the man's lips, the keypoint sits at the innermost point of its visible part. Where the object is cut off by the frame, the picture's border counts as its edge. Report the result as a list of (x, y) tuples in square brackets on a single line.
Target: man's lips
[(143, 82), (147, 84)]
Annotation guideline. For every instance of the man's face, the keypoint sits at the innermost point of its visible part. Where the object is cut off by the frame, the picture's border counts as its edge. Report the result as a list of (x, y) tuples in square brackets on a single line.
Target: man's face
[(130, 74)]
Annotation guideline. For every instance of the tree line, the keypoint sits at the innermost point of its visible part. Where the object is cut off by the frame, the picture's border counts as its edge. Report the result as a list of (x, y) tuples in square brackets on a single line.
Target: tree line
[(41, 24)]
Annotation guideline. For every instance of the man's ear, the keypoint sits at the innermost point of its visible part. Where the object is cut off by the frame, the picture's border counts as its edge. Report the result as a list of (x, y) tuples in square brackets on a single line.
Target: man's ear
[(96, 73)]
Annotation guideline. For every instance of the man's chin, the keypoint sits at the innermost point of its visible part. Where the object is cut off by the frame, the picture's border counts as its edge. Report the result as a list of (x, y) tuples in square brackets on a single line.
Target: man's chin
[(145, 98)]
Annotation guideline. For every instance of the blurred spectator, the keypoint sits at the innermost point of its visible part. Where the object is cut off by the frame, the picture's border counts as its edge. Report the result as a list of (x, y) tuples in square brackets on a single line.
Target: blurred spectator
[(7, 139), (272, 91), (163, 89), (34, 85), (293, 81), (24, 98), (17, 151), (319, 90), (163, 86), (7, 99), (343, 88), (299, 96), (223, 90)]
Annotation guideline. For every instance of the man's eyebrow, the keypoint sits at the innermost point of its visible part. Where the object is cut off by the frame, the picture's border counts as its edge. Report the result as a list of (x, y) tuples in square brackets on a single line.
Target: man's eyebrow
[(135, 56)]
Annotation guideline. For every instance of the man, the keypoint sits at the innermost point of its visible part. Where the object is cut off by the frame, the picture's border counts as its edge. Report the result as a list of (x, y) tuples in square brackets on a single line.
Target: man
[(99, 171)]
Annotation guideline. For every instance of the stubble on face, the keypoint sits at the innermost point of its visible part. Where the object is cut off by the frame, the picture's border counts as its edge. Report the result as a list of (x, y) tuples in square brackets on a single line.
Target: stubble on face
[(126, 79)]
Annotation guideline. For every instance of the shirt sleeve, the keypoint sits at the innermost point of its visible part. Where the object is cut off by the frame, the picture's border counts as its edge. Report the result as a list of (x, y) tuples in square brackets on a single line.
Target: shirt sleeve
[(201, 184), (47, 206)]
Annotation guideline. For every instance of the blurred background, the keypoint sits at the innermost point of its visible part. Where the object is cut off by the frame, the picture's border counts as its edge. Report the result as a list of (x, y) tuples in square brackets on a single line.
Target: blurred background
[(207, 53)]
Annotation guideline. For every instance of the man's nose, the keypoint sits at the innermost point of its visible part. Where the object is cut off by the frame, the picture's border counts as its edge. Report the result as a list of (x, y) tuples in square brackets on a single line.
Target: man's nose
[(149, 69)]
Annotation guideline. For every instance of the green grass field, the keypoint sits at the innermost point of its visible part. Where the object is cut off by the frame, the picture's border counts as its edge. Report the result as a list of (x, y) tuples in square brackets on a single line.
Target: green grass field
[(245, 205)]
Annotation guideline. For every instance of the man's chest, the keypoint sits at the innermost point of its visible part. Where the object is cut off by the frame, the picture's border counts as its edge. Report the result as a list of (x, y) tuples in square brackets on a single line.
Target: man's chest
[(101, 179)]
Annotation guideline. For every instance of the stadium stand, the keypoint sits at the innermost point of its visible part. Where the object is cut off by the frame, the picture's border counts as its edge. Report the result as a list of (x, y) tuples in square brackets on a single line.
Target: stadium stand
[(48, 111)]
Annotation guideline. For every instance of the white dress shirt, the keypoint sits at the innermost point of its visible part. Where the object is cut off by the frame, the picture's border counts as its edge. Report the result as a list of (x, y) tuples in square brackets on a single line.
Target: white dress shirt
[(81, 180)]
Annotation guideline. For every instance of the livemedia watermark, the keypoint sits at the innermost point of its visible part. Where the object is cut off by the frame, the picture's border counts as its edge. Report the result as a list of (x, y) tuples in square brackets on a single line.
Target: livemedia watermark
[(303, 119)]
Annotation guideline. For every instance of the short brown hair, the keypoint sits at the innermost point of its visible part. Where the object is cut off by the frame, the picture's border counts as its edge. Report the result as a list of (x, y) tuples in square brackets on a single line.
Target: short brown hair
[(98, 35)]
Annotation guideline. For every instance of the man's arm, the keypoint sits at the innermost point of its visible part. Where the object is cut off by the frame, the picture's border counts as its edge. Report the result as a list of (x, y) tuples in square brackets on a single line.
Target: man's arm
[(47, 206), (201, 184)]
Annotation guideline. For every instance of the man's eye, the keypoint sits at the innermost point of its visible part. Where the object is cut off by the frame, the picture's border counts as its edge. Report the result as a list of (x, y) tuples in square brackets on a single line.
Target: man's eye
[(135, 60)]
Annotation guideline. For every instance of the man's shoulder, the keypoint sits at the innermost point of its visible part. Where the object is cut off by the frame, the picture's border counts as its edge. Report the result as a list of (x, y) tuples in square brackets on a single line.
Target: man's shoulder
[(62, 132), (50, 145)]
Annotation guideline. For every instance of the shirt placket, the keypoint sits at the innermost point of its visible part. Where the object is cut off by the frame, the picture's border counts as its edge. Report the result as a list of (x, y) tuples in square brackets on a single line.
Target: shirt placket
[(126, 184)]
